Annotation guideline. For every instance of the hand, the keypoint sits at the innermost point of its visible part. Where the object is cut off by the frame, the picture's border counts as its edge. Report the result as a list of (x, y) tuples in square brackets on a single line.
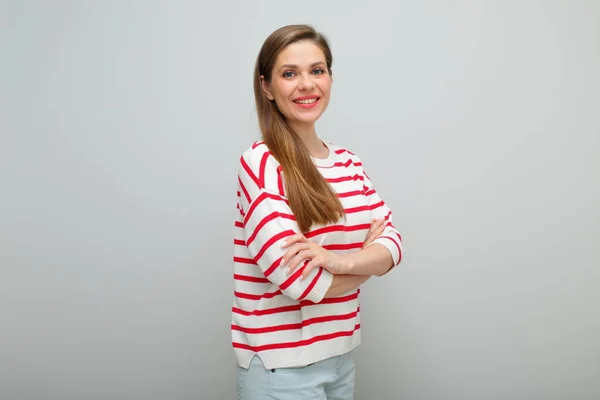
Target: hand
[(301, 249), (376, 229)]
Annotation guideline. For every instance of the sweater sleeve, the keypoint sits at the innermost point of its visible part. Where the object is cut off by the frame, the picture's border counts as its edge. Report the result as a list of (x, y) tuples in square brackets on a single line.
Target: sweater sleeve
[(267, 222), (390, 238)]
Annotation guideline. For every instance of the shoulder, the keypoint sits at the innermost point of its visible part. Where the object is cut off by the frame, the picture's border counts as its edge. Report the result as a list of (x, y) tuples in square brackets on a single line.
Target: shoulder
[(258, 164), (256, 154)]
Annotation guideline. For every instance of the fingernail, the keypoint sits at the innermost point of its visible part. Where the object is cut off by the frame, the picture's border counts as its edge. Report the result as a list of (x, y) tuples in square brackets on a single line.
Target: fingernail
[(301, 277), (282, 263), (284, 243), (289, 271)]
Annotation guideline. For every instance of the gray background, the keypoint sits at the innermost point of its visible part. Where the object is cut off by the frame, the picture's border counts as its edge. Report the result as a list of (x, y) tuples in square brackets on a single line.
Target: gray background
[(121, 126)]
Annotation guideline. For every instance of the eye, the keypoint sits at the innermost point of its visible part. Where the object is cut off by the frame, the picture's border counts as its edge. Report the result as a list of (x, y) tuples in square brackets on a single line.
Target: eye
[(318, 71), (288, 74)]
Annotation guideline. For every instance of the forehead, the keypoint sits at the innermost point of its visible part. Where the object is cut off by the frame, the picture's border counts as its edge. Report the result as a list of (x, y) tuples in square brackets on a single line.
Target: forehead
[(300, 53)]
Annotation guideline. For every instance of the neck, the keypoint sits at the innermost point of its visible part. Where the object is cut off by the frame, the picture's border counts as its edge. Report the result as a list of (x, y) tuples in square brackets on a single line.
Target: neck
[(308, 135)]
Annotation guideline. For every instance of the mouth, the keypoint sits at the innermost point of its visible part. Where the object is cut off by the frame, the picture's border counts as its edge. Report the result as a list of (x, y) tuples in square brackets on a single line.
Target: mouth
[(307, 102)]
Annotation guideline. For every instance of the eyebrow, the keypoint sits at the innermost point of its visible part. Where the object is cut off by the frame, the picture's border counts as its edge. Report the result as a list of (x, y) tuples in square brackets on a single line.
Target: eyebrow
[(294, 66)]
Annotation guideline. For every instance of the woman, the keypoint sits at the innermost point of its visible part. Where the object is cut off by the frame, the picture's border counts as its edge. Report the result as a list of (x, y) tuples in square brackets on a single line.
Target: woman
[(311, 228)]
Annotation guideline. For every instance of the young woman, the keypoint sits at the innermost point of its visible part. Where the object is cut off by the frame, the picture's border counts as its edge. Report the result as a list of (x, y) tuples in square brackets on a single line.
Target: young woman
[(311, 228)]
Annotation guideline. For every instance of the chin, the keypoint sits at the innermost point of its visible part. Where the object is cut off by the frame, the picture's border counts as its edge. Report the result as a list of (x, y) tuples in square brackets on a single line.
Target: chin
[(309, 118), (305, 121)]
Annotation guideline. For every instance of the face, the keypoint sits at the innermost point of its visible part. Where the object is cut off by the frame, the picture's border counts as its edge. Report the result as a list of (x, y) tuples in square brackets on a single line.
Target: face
[(300, 83)]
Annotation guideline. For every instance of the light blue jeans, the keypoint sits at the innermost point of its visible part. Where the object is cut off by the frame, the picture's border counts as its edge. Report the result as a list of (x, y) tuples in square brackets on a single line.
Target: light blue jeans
[(330, 379)]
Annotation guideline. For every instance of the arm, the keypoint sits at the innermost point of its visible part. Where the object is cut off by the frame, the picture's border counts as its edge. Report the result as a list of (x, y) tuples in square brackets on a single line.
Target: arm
[(377, 258), (267, 222), (373, 260), (385, 252), (345, 283)]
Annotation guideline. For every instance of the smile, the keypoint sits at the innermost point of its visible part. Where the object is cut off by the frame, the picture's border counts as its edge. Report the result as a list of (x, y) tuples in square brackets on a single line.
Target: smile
[(307, 102)]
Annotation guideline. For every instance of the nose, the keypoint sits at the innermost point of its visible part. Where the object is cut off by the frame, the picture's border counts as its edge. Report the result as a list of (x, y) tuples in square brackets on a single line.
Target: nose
[(305, 82)]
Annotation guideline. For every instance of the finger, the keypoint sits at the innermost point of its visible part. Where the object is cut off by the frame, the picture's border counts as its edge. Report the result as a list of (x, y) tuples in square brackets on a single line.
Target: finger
[(290, 240), (372, 236), (314, 263), (373, 231), (375, 225), (292, 251), (297, 260), (369, 238), (371, 228)]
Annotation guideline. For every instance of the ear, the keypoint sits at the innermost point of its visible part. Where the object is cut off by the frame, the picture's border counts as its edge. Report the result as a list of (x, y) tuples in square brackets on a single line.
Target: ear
[(266, 88)]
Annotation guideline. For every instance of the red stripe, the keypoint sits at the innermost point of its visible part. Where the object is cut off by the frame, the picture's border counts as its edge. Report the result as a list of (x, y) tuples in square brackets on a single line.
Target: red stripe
[(249, 172), (333, 300), (337, 228), (391, 225), (257, 296), (312, 285), (356, 209), (364, 208), (263, 166), (300, 325), (247, 278), (239, 224), (377, 205), (256, 144), (239, 242), (345, 178), (266, 220), (399, 250), (270, 242), (244, 260), (342, 246), (350, 194), (267, 311), (246, 194), (293, 277), (298, 343), (280, 181), (240, 209), (347, 163), (370, 192), (273, 266), (262, 197), (297, 307), (341, 151)]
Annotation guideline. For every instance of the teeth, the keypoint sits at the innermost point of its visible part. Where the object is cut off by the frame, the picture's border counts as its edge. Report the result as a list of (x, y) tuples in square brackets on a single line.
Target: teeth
[(307, 101)]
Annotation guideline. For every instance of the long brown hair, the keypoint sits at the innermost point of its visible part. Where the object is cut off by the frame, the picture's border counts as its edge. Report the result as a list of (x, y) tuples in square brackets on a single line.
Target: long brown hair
[(310, 196)]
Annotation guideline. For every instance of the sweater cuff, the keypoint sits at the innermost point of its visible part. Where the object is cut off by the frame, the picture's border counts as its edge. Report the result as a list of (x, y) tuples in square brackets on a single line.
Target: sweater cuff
[(320, 289), (392, 247)]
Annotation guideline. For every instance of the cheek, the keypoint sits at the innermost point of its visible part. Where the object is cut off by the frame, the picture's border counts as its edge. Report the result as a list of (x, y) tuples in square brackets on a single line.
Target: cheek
[(283, 89), (325, 85)]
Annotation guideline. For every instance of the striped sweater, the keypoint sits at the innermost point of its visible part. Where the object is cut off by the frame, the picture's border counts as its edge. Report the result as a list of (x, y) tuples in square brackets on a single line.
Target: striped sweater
[(285, 320)]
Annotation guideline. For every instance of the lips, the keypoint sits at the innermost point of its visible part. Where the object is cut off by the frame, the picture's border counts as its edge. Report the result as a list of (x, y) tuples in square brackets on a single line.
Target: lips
[(307, 101)]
